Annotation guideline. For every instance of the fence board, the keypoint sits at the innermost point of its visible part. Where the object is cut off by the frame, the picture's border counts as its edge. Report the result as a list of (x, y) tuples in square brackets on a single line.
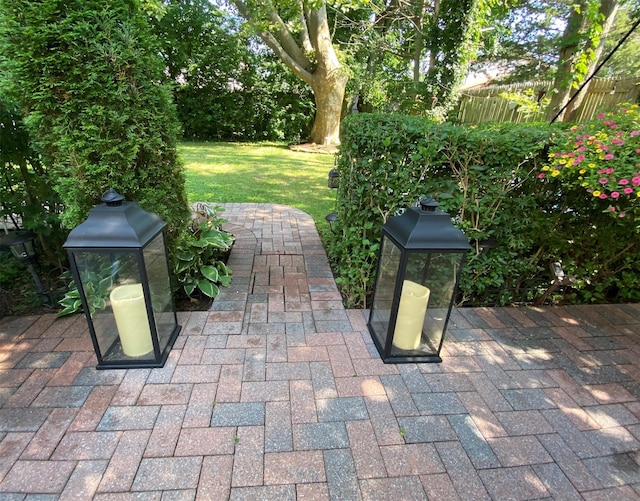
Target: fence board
[(485, 105)]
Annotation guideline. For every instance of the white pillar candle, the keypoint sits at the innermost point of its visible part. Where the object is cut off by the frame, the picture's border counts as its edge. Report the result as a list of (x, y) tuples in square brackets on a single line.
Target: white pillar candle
[(130, 311), (411, 313)]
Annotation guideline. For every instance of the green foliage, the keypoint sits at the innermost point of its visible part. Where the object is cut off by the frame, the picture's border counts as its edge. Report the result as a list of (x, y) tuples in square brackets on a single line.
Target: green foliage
[(602, 157), (225, 89), (454, 37), (89, 77), (27, 197), (625, 62), (199, 262), (486, 179), (97, 286), (526, 102), (411, 56)]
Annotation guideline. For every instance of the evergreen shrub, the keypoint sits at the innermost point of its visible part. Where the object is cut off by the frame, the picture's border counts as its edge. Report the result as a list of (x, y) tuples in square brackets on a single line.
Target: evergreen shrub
[(89, 79), (485, 178)]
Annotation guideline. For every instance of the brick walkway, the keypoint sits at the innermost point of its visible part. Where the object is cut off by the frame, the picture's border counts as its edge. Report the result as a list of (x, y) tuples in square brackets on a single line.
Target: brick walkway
[(278, 393)]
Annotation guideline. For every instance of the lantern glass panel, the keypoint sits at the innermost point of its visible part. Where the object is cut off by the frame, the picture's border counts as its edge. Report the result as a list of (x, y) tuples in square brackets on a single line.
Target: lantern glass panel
[(389, 266), (426, 295), (155, 260), (112, 285)]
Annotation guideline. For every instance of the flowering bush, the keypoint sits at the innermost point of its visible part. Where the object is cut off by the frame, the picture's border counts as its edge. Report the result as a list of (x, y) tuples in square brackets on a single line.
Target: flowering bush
[(603, 157)]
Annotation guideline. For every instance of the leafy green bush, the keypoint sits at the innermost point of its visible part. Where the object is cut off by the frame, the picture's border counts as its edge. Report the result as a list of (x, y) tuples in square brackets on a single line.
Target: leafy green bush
[(485, 177)]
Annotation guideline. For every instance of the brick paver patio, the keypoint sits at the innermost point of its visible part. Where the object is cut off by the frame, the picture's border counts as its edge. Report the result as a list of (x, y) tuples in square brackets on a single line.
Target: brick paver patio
[(278, 393)]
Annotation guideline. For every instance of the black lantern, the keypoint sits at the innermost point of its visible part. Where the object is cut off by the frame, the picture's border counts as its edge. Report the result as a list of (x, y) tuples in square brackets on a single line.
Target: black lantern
[(22, 247), (421, 256), (119, 262), (333, 181)]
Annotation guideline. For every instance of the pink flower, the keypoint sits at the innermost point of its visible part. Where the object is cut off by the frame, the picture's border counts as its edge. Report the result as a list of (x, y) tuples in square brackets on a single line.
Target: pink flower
[(582, 148), (619, 142), (609, 156), (541, 176), (615, 194), (636, 181), (602, 171), (602, 196), (603, 180), (634, 133), (628, 191), (601, 115), (621, 214), (609, 170), (623, 181)]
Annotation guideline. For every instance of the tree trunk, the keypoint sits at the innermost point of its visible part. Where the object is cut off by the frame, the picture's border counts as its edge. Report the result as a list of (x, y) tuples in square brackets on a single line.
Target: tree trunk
[(329, 94), (569, 51), (609, 10), (329, 80)]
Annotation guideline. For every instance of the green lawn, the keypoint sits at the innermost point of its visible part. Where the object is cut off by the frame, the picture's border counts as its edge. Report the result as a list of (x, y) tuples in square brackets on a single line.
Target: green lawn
[(259, 172)]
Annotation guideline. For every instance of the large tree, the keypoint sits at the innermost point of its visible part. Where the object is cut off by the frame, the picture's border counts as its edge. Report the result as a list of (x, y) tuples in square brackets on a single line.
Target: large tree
[(298, 33), (413, 54)]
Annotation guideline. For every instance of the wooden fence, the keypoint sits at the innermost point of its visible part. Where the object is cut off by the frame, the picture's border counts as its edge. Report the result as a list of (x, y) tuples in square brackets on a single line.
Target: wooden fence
[(485, 104)]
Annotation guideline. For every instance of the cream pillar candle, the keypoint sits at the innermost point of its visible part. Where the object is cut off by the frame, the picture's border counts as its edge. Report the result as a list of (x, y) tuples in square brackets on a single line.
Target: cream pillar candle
[(130, 311), (411, 313)]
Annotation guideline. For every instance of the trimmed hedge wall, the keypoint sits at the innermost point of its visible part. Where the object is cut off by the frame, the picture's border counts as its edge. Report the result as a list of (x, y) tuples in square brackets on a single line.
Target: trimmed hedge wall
[(485, 177)]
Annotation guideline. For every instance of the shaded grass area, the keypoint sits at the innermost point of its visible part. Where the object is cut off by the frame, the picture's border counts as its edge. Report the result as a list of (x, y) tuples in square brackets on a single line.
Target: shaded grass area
[(261, 173)]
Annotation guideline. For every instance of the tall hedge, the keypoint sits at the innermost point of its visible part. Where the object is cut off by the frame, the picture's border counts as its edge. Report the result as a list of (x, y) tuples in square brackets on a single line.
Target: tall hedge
[(89, 79), (486, 179)]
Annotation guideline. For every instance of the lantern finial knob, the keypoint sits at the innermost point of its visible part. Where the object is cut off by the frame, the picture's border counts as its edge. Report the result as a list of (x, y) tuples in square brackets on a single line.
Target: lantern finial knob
[(428, 204), (112, 198)]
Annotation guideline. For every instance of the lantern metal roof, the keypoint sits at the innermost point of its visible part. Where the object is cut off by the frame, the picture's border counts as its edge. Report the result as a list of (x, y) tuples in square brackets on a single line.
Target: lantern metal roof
[(115, 224), (426, 228)]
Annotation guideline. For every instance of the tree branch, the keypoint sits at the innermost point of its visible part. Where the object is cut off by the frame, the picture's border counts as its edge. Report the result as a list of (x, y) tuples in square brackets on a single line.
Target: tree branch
[(280, 41)]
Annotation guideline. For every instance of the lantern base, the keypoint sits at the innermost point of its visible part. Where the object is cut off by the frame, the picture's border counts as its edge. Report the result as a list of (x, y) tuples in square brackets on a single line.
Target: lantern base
[(136, 363), (395, 355)]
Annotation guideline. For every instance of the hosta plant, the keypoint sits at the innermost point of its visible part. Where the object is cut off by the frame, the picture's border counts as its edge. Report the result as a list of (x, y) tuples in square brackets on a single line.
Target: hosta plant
[(199, 262)]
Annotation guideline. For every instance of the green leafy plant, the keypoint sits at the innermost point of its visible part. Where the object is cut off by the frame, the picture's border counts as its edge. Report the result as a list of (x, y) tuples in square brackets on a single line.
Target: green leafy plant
[(526, 102), (105, 119), (199, 262), (97, 288)]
